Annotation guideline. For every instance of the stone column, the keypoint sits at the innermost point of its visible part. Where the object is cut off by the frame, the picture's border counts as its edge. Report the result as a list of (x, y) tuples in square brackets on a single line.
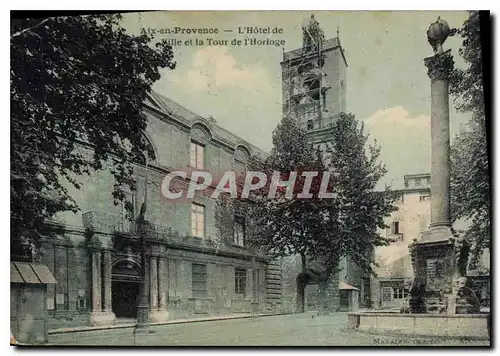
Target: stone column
[(96, 282), (439, 67), (153, 284), (158, 293), (162, 287), (101, 277), (437, 241), (106, 257)]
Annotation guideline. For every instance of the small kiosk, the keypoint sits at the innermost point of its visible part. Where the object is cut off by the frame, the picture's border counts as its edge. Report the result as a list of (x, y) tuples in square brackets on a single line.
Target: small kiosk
[(28, 302)]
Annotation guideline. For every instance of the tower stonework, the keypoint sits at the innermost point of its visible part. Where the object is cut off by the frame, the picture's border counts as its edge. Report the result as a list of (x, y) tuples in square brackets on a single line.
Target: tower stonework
[(314, 86), (314, 82)]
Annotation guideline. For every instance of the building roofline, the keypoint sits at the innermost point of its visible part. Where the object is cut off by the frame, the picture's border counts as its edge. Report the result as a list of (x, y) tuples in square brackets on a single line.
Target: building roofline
[(419, 175), (412, 190), (236, 140)]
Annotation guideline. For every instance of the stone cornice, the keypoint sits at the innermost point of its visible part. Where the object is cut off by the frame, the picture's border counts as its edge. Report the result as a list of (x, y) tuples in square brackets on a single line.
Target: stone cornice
[(439, 66), (412, 190), (169, 119), (95, 243)]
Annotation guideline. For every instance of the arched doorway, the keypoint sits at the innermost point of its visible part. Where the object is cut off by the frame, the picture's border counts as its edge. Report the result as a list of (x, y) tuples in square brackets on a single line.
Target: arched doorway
[(125, 283)]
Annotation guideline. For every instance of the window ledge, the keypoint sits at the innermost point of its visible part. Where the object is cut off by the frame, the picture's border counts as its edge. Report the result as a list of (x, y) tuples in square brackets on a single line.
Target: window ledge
[(240, 246), (241, 297), (208, 299)]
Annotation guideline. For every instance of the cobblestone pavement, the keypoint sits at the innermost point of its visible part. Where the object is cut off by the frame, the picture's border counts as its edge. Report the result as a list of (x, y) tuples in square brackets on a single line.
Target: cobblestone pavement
[(284, 330)]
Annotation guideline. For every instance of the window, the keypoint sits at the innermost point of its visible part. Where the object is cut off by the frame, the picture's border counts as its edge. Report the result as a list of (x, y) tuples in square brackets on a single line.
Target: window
[(197, 220), (400, 293), (395, 228), (424, 197), (197, 155), (199, 280), (418, 182), (240, 280), (239, 170), (310, 124), (239, 231)]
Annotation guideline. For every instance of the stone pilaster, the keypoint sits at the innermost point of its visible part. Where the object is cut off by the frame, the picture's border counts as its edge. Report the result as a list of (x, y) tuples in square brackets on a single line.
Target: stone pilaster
[(96, 282), (101, 277), (162, 285), (106, 257), (153, 283), (158, 311)]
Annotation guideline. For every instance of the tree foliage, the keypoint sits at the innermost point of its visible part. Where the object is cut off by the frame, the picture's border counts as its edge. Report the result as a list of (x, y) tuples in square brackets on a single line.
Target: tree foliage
[(320, 229), (287, 226), (323, 229), (359, 211), (75, 80), (470, 176)]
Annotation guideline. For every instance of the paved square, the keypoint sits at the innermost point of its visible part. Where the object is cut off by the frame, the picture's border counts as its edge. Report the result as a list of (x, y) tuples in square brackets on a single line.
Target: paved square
[(285, 330)]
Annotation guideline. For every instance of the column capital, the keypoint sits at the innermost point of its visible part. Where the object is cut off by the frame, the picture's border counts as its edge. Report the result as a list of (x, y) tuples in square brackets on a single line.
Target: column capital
[(100, 242), (439, 66)]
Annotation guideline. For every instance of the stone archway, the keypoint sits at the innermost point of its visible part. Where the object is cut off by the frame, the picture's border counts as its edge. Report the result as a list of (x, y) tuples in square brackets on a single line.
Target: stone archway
[(125, 286)]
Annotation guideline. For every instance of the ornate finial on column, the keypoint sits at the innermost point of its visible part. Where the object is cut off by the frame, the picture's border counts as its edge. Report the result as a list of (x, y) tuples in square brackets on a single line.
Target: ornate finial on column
[(441, 64), (437, 33)]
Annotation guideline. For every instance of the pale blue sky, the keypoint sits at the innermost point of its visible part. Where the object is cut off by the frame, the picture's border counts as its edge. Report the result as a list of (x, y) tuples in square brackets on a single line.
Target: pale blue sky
[(387, 84)]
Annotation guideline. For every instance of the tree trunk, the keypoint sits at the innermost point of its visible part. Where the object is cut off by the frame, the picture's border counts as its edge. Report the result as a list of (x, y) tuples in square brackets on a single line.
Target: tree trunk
[(329, 291), (301, 286)]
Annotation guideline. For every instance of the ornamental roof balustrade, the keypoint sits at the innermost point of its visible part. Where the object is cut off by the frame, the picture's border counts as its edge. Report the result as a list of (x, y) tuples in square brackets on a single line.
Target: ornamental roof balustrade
[(93, 220)]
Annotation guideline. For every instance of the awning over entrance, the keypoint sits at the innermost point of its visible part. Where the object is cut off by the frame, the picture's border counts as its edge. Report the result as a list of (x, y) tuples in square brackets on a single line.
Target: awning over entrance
[(345, 286), (31, 273)]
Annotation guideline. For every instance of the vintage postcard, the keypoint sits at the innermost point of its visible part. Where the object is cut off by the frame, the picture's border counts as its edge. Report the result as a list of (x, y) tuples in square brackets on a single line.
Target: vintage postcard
[(250, 178)]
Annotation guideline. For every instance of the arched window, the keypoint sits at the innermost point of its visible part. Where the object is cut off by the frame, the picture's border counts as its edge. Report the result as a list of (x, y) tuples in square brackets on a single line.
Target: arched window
[(241, 158)]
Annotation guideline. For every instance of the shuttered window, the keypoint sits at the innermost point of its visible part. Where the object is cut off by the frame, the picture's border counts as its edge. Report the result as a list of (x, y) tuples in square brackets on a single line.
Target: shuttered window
[(199, 280)]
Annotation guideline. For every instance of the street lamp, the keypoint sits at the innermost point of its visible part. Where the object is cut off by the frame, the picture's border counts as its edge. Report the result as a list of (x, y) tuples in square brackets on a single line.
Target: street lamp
[(143, 305), (143, 324)]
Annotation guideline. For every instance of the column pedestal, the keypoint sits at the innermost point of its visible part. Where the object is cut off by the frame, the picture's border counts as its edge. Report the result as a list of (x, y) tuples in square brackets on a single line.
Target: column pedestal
[(99, 318), (436, 234)]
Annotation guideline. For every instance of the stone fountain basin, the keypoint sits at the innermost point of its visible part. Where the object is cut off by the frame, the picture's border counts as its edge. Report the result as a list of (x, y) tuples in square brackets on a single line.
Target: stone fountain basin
[(470, 326)]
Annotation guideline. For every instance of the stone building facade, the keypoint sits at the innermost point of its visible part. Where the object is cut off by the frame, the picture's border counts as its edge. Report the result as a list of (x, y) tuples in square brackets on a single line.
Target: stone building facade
[(96, 255), (395, 272), (408, 222)]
